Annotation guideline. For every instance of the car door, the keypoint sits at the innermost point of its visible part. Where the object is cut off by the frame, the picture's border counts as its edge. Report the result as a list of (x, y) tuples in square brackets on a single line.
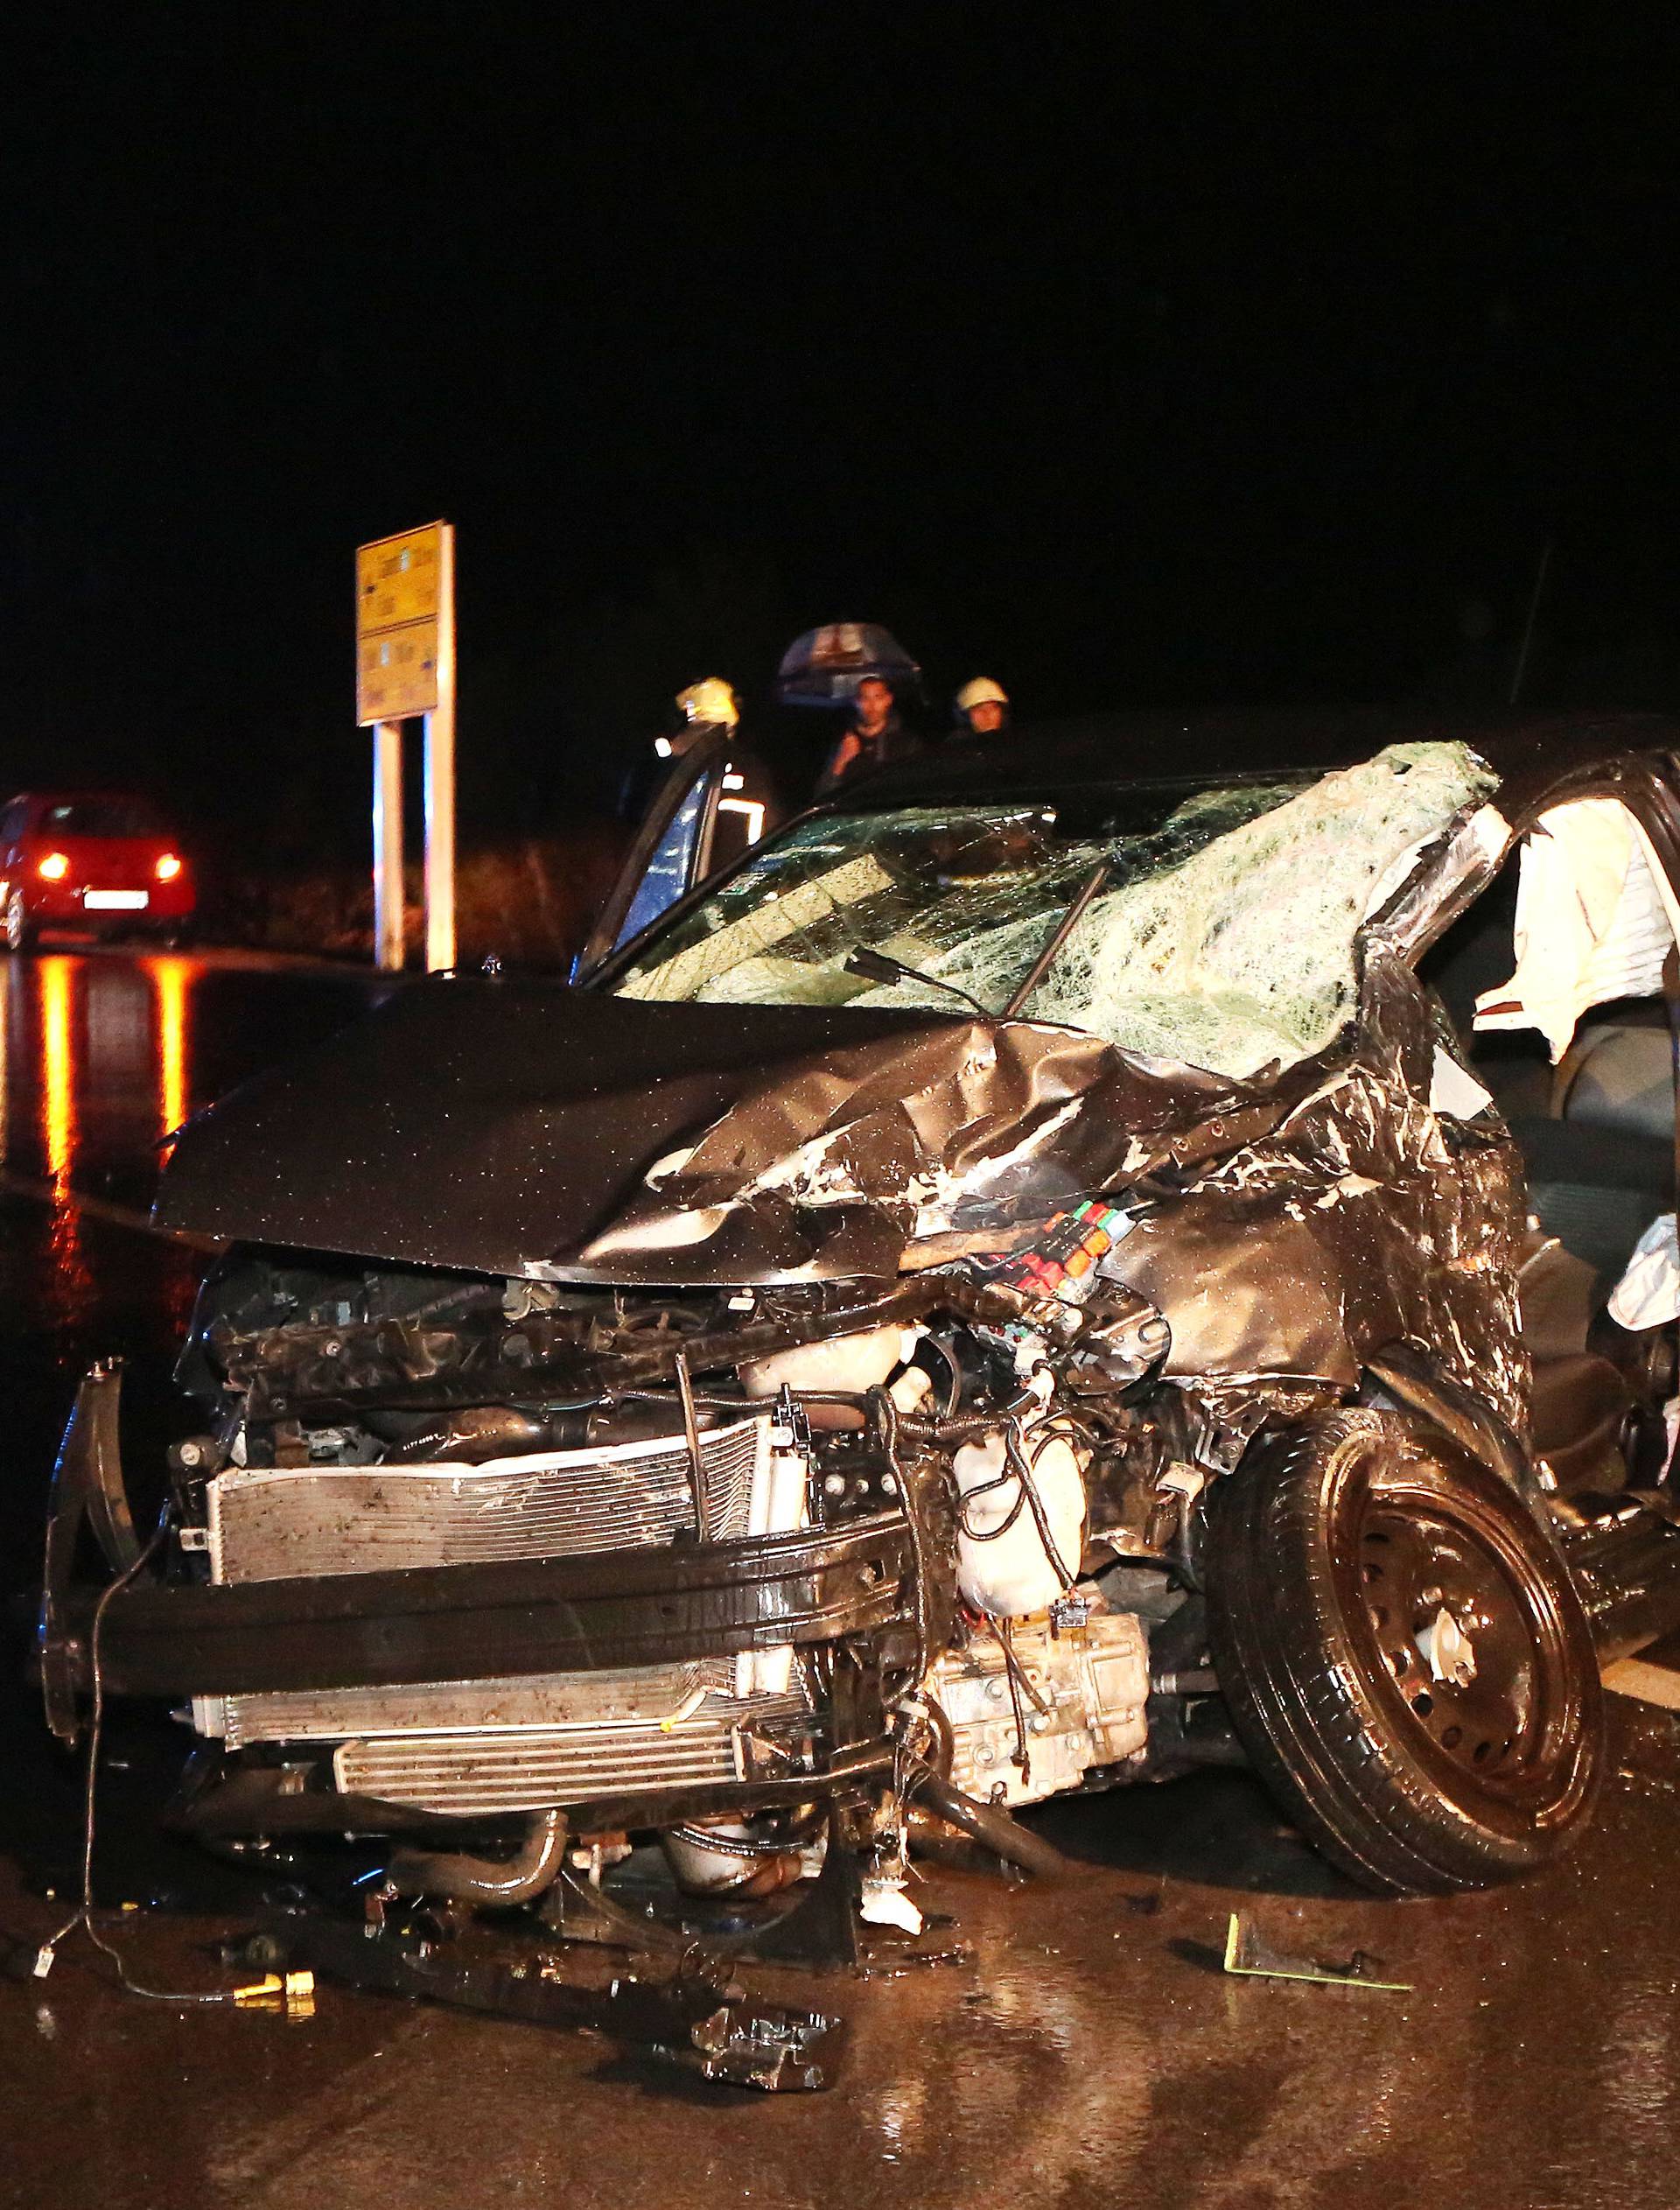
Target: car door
[(1563, 1022), (696, 823)]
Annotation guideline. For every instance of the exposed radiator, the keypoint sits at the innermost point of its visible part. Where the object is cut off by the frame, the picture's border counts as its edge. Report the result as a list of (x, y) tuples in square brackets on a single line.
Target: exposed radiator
[(290, 1523), (484, 1746)]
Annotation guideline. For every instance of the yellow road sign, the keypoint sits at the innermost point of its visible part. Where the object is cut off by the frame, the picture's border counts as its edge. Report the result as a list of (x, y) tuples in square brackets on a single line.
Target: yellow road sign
[(396, 673), (397, 599), (397, 580)]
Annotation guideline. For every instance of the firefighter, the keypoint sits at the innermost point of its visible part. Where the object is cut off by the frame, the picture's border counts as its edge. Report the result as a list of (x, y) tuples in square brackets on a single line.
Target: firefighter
[(748, 803), (982, 709), (702, 708)]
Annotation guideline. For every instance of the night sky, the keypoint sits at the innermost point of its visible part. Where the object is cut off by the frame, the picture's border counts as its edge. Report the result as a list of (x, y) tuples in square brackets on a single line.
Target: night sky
[(1134, 355)]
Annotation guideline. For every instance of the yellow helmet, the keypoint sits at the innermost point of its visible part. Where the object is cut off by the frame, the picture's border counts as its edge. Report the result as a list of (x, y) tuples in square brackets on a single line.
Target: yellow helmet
[(711, 702), (983, 691)]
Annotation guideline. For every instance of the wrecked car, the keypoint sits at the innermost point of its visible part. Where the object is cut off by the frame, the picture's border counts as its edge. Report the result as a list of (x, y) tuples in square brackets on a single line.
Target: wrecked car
[(1038, 1279)]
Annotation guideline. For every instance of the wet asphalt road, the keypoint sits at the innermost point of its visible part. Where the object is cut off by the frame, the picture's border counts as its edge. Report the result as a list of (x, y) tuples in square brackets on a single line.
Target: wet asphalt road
[(1089, 2048)]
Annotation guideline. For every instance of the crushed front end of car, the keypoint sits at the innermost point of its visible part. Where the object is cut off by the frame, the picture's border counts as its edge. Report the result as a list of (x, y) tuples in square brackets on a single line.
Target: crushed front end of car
[(780, 1406), (452, 1552)]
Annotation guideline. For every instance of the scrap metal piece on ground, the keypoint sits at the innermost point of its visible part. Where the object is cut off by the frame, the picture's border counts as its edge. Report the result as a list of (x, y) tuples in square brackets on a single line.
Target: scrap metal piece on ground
[(762, 2046), (1244, 1953), (689, 2020)]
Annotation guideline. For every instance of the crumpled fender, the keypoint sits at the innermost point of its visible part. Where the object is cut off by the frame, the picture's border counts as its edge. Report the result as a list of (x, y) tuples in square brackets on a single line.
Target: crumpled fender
[(1253, 1294)]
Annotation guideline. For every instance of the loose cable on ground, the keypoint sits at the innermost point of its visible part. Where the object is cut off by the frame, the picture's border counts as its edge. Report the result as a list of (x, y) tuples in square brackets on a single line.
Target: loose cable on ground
[(83, 1915)]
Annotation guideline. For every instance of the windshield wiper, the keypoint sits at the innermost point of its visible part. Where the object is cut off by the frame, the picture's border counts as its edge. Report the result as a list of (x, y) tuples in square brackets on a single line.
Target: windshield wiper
[(1065, 928), (880, 966)]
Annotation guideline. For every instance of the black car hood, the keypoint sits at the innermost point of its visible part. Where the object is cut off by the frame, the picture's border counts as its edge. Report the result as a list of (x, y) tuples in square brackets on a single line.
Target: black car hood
[(510, 1127)]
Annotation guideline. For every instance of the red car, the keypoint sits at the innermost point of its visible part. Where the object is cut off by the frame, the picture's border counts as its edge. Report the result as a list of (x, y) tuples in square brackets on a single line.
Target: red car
[(91, 860)]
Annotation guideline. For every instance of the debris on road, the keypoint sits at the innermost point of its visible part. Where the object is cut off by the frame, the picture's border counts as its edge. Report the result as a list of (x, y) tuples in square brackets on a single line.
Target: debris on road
[(1245, 1956), (692, 2019)]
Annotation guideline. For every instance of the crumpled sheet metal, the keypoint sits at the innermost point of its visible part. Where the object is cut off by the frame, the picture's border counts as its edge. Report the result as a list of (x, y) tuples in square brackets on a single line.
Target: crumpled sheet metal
[(1362, 1218), (1415, 905), (1248, 1289), (1292, 1229), (1295, 1222), (954, 1133), (513, 1128)]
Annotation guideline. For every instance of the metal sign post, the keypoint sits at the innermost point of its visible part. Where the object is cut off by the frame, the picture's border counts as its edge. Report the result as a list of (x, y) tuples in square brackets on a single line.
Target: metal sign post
[(388, 845), (439, 772), (405, 666)]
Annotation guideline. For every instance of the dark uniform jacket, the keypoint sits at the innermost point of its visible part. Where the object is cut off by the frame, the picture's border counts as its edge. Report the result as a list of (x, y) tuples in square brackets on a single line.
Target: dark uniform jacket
[(857, 753)]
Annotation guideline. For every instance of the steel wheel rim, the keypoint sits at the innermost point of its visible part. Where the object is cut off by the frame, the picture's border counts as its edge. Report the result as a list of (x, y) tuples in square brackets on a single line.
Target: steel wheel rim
[(1411, 1549)]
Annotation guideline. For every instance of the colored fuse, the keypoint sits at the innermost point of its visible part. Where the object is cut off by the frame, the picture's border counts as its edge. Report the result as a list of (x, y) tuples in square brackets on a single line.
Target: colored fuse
[(1074, 1243)]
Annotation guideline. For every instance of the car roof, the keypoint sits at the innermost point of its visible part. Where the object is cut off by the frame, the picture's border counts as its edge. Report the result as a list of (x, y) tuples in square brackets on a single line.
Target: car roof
[(1528, 752)]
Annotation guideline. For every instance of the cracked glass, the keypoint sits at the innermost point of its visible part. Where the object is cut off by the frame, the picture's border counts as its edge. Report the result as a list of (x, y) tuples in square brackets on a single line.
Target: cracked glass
[(1225, 938)]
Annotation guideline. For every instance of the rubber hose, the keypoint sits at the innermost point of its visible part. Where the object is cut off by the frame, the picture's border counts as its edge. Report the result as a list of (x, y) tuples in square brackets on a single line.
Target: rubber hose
[(984, 1823), (466, 1879)]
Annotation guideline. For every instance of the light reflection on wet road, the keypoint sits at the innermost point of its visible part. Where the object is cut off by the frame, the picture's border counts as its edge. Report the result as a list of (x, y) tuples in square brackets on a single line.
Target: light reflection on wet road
[(102, 1057), (1090, 2051)]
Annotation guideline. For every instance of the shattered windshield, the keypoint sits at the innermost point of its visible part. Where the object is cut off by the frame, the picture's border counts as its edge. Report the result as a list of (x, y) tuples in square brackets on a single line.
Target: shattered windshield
[(1223, 938)]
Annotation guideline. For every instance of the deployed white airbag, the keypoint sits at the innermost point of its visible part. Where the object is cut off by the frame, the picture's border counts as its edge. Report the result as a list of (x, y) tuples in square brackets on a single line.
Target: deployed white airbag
[(1649, 1293), (1595, 917)]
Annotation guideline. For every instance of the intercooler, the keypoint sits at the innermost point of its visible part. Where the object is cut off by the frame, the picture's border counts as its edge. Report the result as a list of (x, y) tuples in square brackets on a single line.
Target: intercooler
[(487, 1773), (468, 1747), (482, 1746), (635, 1695)]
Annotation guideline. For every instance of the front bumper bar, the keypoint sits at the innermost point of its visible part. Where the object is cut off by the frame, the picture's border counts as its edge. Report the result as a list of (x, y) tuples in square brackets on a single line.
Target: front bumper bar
[(561, 1615)]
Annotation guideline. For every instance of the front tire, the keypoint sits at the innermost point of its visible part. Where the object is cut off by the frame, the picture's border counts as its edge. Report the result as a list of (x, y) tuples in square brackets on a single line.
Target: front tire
[(1404, 1655)]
